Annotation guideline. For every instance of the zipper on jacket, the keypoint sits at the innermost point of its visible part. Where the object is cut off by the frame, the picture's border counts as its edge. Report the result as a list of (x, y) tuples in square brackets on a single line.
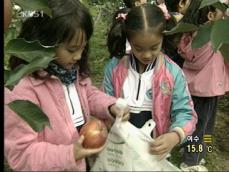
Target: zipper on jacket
[(139, 86)]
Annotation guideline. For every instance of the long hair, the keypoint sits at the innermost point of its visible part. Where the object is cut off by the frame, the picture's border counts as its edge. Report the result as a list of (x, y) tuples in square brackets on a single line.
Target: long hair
[(137, 19), (172, 5), (68, 17), (129, 3), (170, 43), (195, 15), (116, 36)]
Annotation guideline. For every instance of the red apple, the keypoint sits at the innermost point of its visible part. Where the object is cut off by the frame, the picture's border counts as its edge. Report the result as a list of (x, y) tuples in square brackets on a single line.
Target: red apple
[(7, 13), (95, 134)]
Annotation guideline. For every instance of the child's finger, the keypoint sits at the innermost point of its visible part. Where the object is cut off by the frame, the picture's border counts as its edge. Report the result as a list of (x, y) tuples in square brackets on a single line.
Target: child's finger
[(157, 142), (81, 139), (160, 151), (126, 117), (127, 110), (159, 148), (94, 151), (162, 156), (120, 113), (163, 151)]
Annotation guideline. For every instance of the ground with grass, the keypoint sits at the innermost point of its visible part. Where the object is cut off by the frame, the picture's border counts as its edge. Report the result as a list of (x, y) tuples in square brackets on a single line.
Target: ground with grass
[(218, 160)]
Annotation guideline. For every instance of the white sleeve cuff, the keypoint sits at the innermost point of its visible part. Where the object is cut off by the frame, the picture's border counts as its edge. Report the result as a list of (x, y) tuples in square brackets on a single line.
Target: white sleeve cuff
[(180, 132)]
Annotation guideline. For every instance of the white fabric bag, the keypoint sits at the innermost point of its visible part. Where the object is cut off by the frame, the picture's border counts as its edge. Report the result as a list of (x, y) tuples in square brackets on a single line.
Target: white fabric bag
[(127, 149)]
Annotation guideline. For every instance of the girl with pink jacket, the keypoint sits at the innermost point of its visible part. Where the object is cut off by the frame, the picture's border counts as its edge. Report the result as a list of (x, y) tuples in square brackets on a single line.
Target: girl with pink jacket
[(153, 86), (63, 91), (208, 78)]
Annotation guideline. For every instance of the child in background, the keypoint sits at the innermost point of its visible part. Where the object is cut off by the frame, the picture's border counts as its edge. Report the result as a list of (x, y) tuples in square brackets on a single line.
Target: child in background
[(208, 78), (63, 91), (170, 41), (153, 86)]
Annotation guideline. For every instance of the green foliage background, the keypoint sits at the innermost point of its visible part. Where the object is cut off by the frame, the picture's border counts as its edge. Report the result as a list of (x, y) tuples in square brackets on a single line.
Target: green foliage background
[(102, 11)]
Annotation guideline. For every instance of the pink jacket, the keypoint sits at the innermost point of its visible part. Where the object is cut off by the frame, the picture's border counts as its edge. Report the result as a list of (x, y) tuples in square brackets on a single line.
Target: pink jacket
[(171, 101), (51, 149), (207, 72)]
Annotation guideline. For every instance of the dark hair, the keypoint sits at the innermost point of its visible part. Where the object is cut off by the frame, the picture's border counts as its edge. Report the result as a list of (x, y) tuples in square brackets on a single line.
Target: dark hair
[(170, 42), (169, 47), (172, 6), (195, 15), (68, 17), (122, 10), (129, 3), (138, 17), (116, 36)]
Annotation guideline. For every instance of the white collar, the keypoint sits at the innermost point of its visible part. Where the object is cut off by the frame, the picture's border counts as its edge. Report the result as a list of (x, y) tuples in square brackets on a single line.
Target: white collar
[(133, 62)]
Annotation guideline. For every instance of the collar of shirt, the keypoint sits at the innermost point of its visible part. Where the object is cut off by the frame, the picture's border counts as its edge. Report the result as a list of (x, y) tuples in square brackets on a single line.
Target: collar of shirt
[(134, 62)]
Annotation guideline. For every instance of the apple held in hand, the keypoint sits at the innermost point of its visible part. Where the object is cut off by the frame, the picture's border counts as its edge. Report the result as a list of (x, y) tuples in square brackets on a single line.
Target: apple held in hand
[(95, 134)]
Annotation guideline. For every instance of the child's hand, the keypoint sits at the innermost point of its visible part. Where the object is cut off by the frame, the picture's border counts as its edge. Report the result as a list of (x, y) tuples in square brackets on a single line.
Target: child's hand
[(120, 112), (81, 152), (164, 144), (120, 109)]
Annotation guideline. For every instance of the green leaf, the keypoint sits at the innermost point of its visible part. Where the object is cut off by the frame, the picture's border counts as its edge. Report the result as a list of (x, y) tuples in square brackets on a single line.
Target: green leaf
[(9, 34), (180, 28), (222, 7), (205, 3), (203, 36), (31, 113), (22, 70), (37, 5), (6, 75), (224, 49), (28, 51), (219, 33)]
